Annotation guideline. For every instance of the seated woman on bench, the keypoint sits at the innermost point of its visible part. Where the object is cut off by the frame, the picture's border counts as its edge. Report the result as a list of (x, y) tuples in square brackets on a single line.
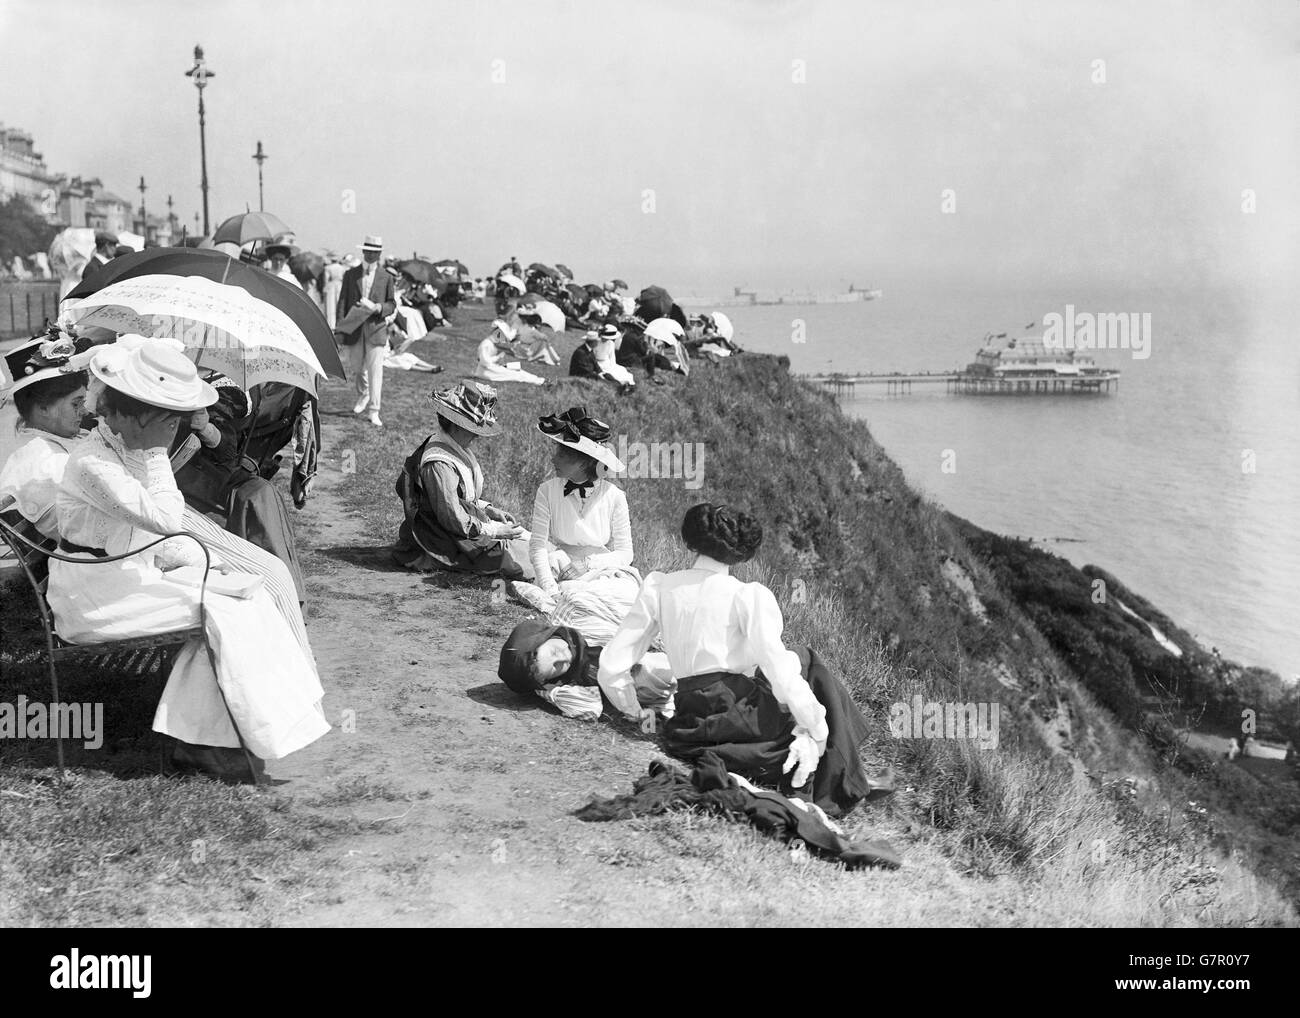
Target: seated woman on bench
[(117, 495), (51, 398)]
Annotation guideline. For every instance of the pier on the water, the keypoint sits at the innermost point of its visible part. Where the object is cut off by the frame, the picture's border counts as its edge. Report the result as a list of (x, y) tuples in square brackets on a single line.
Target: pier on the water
[(965, 383)]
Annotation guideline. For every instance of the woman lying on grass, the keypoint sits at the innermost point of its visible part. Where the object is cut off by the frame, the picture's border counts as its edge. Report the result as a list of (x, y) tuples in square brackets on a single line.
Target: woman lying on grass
[(558, 664), (777, 716)]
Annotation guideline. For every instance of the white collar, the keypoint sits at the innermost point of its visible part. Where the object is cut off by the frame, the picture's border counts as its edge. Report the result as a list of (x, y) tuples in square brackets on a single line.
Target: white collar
[(710, 565)]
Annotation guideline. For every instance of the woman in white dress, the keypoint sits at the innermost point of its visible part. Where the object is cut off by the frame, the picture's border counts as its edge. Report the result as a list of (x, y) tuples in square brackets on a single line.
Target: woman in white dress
[(51, 399), (606, 353), (492, 364), (776, 715), (581, 536), (118, 494)]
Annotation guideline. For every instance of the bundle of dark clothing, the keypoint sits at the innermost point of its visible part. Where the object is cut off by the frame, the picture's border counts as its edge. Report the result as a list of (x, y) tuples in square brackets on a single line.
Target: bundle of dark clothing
[(711, 788)]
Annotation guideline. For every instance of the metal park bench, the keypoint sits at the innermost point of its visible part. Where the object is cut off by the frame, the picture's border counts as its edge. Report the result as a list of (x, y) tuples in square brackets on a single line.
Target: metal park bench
[(134, 655)]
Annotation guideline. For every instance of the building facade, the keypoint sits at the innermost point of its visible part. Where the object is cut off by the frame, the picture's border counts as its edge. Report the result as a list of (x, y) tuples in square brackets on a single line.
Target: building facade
[(23, 172)]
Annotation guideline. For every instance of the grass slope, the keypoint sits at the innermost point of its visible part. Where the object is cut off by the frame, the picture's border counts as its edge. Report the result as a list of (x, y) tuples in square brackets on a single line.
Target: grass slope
[(880, 581)]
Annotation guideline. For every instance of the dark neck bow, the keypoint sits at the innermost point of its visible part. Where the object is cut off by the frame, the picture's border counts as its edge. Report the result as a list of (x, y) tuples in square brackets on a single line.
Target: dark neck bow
[(581, 489)]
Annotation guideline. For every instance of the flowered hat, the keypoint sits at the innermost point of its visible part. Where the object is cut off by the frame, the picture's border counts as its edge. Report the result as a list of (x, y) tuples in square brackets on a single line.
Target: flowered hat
[(42, 358), (154, 371), (578, 430), (472, 405)]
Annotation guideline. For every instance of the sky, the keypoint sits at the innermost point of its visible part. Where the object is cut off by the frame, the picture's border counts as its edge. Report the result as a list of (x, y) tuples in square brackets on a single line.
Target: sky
[(772, 144)]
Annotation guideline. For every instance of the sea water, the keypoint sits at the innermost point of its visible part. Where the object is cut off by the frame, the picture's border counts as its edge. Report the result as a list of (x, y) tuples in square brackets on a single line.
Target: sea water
[(1185, 483)]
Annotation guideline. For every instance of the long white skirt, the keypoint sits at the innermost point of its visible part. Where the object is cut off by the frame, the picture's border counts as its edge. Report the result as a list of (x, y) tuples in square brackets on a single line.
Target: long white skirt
[(269, 681), (245, 557), (596, 604), (616, 371), (500, 373)]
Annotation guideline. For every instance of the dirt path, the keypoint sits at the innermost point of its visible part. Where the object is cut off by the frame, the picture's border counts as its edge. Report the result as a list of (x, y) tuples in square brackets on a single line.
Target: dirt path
[(463, 792), (468, 788)]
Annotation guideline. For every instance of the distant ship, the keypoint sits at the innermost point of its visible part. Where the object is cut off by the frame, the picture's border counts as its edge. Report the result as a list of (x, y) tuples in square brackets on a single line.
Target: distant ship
[(757, 298)]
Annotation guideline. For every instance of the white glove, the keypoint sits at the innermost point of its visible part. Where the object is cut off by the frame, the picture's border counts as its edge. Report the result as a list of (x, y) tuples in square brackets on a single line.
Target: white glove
[(803, 758)]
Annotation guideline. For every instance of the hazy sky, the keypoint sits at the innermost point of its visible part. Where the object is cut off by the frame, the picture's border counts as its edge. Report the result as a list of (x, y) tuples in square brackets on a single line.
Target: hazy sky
[(481, 130)]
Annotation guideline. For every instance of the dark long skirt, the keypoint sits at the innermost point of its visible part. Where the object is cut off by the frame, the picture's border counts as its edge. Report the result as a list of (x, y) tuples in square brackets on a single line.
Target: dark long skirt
[(740, 719), (257, 514)]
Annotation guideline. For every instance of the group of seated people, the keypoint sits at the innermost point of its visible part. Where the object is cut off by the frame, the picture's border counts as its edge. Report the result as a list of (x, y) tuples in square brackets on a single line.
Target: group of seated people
[(114, 489), (697, 648)]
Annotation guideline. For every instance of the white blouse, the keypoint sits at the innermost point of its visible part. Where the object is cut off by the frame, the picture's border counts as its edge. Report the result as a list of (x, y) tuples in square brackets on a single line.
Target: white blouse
[(710, 622), (596, 527), (32, 474), (119, 499)]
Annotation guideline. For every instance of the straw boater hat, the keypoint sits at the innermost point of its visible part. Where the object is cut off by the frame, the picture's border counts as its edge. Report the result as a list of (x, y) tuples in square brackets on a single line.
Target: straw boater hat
[(576, 429), (372, 243), (609, 331), (472, 405), (154, 371), (41, 359)]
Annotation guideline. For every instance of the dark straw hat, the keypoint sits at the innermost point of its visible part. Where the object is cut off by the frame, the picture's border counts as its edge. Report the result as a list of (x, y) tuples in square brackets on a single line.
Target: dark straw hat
[(472, 405)]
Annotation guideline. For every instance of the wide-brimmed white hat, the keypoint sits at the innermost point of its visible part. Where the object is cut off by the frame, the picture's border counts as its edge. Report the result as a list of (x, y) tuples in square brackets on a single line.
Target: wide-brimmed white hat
[(578, 430), (372, 243), (154, 371), (512, 280)]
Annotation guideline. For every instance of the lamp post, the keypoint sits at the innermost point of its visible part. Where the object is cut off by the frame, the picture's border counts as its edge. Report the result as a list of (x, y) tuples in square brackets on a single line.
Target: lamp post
[(200, 74), (144, 218), (261, 157)]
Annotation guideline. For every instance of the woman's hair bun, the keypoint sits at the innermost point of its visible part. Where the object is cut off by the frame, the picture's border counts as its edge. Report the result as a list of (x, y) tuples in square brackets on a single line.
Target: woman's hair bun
[(722, 533)]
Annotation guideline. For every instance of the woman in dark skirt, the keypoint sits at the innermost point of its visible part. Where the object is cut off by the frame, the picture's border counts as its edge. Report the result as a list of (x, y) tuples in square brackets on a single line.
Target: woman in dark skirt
[(777, 716)]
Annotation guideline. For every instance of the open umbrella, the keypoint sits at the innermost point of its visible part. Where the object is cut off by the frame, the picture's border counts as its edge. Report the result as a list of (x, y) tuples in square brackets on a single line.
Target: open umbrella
[(248, 227), (221, 326), (545, 270), (723, 324), (619, 284), (654, 302), (306, 266), (418, 269), (176, 261), (670, 333), (564, 271), (595, 289), (550, 315), (451, 267), (578, 292)]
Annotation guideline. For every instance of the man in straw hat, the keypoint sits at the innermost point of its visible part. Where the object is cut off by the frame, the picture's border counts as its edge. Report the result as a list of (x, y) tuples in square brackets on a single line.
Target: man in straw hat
[(366, 300), (449, 525)]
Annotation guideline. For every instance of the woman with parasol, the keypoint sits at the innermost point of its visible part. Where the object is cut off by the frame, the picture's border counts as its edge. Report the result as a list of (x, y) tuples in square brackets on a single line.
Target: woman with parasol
[(117, 495)]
